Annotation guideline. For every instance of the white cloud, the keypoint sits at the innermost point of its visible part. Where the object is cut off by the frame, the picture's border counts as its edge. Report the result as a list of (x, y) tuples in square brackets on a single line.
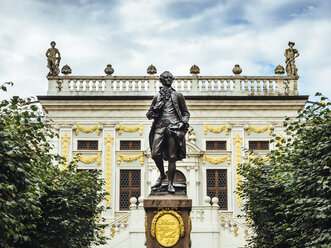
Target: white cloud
[(172, 35)]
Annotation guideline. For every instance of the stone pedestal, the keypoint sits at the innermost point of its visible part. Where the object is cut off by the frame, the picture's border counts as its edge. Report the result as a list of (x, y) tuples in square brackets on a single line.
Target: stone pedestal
[(168, 222)]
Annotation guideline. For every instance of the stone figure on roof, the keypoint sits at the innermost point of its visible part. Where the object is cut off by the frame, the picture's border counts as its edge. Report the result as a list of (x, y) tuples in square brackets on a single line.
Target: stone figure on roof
[(167, 136), (53, 60), (290, 55)]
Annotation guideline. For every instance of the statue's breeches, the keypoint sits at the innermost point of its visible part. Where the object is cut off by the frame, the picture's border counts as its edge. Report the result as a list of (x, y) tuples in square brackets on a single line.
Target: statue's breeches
[(164, 145)]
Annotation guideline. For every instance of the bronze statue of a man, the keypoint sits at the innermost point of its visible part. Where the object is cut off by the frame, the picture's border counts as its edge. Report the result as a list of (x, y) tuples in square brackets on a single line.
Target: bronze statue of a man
[(167, 136), (290, 55), (53, 60)]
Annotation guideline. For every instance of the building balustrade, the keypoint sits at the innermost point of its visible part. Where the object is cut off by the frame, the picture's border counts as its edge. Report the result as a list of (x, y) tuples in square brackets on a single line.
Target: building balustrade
[(190, 85)]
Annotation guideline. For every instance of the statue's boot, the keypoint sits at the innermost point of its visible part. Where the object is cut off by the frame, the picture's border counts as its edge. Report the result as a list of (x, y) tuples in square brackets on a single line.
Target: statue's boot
[(171, 188), (158, 182)]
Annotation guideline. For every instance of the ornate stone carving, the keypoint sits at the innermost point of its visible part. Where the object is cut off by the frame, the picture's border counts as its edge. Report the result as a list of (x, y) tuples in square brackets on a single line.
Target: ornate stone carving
[(65, 141), (279, 70), (53, 60), (237, 70), (130, 129), (109, 140), (237, 140), (215, 129), (130, 158), (216, 160), (66, 70), (151, 70), (109, 70), (259, 129), (290, 55), (195, 70), (89, 159), (87, 129)]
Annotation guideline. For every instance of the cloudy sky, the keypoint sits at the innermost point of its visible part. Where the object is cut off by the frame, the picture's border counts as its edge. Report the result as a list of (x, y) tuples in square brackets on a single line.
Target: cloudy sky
[(171, 34)]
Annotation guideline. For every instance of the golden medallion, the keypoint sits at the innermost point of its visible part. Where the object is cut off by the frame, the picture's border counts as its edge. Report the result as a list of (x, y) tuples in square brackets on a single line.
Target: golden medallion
[(167, 230), (167, 227)]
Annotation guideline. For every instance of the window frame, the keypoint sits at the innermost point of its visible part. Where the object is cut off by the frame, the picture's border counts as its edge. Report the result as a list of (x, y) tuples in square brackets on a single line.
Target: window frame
[(260, 140), (129, 189), (75, 144), (214, 145), (118, 142), (228, 144), (225, 189)]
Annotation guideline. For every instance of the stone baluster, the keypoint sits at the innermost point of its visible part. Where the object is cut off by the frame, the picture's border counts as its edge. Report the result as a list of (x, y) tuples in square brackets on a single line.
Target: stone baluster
[(75, 85), (81, 85), (116, 85), (128, 84), (134, 84), (246, 85), (139, 84), (94, 86), (221, 85), (258, 85), (252, 85), (212, 83), (265, 85), (206, 84)]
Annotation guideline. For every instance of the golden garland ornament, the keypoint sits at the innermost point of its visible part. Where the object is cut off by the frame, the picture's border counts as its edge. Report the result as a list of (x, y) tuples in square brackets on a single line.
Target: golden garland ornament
[(215, 129), (130, 129), (87, 129), (167, 226), (89, 159), (216, 160), (109, 140), (130, 158), (259, 129), (65, 141), (237, 140)]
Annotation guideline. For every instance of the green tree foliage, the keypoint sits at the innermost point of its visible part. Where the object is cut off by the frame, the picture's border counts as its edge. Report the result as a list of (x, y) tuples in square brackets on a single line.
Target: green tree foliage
[(288, 198), (41, 206)]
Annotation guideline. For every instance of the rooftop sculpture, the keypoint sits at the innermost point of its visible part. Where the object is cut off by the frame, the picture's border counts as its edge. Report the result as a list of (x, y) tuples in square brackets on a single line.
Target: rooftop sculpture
[(53, 60), (290, 55)]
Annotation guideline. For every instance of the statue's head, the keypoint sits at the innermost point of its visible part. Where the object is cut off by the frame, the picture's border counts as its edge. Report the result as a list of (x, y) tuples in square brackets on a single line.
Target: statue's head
[(166, 78), (53, 43), (291, 43)]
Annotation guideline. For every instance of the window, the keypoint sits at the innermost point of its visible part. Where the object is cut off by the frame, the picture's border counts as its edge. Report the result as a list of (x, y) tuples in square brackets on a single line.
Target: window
[(130, 145), (87, 145), (129, 187), (258, 145), (217, 186), (215, 145)]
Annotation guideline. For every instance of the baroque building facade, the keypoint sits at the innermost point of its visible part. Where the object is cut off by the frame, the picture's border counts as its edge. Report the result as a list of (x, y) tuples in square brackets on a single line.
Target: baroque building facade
[(103, 120)]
